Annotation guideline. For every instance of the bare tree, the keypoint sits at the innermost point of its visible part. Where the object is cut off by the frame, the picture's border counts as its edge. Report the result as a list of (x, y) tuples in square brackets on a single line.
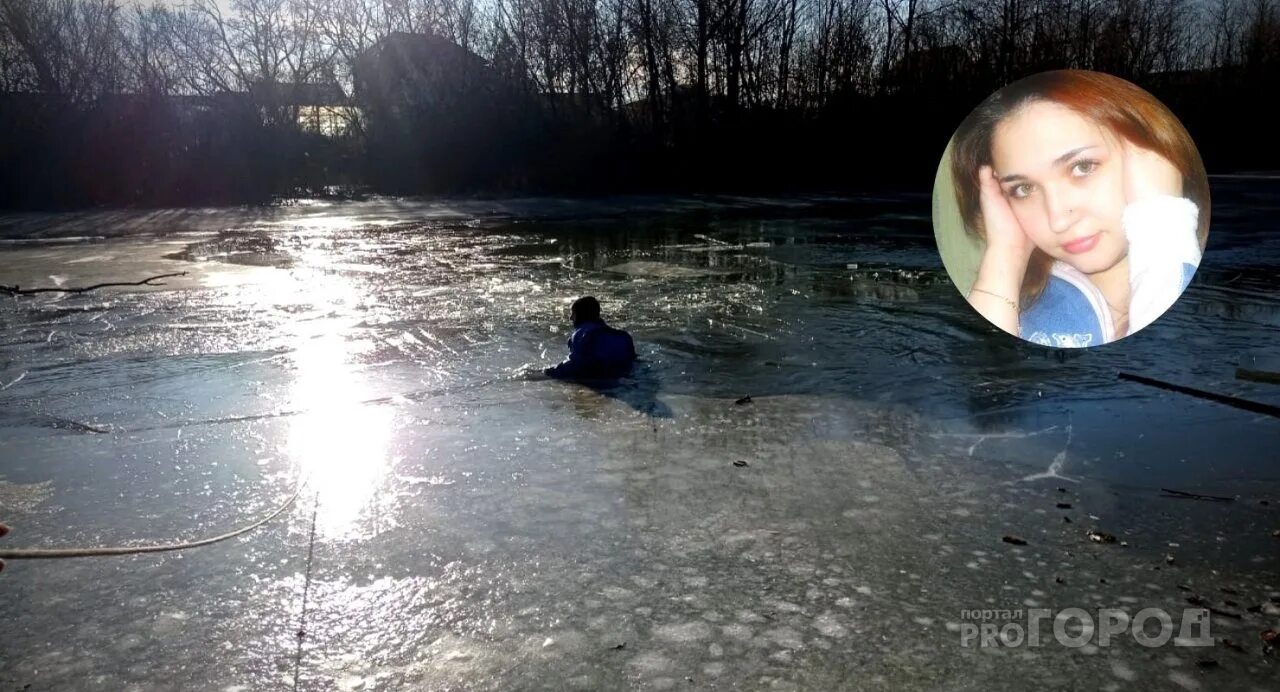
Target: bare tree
[(72, 48)]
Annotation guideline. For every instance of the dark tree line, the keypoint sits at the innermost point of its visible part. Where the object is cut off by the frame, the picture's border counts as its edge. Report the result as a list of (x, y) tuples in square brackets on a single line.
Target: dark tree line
[(105, 102)]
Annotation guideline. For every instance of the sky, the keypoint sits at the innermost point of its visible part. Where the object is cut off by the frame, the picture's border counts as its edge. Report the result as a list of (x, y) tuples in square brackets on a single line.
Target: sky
[(224, 4)]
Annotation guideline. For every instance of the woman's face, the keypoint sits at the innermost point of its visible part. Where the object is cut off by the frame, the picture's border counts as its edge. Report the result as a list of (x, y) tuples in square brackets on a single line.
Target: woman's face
[(1062, 175)]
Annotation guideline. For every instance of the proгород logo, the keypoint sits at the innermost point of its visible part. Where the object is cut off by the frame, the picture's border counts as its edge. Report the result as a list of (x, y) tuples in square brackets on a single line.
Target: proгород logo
[(1077, 627)]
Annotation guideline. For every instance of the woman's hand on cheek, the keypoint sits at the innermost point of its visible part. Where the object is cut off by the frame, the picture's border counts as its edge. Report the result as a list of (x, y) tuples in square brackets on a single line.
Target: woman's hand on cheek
[(1004, 234), (995, 291), (1148, 174)]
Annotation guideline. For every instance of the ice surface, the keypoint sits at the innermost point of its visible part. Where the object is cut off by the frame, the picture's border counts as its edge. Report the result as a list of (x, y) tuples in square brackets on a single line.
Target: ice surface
[(478, 528)]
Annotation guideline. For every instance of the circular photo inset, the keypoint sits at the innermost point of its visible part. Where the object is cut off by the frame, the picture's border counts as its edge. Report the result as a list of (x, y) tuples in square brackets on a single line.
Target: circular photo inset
[(1071, 208)]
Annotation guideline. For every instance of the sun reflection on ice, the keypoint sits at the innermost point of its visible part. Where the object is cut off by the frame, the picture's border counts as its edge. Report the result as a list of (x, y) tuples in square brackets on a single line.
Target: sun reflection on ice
[(339, 444)]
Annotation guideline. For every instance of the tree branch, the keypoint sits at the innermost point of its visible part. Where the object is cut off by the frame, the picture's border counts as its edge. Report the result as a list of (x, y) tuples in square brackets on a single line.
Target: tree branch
[(15, 291)]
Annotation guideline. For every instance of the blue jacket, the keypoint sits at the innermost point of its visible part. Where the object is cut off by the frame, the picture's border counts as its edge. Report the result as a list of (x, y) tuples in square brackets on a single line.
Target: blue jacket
[(1071, 313), (596, 351)]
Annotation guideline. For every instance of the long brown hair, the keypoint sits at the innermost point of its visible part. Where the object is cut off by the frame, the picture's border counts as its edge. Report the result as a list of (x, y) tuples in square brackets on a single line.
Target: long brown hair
[(1125, 109)]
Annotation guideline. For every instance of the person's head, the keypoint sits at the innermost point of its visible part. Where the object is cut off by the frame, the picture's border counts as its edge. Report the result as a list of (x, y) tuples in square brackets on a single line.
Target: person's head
[(1055, 142), (583, 310)]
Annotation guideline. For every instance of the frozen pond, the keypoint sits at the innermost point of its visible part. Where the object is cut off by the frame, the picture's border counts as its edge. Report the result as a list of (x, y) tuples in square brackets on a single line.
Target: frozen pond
[(466, 526)]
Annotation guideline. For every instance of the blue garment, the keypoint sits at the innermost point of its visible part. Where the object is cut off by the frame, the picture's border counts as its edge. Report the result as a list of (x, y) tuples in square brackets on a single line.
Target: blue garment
[(1071, 313), (596, 351)]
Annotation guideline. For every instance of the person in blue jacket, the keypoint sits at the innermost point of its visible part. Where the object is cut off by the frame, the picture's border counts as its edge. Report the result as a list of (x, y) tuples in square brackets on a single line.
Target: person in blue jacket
[(1092, 202), (596, 350)]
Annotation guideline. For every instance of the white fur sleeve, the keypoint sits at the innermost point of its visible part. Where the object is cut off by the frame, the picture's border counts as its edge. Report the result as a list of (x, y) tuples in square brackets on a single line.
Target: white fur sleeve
[(1162, 237)]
